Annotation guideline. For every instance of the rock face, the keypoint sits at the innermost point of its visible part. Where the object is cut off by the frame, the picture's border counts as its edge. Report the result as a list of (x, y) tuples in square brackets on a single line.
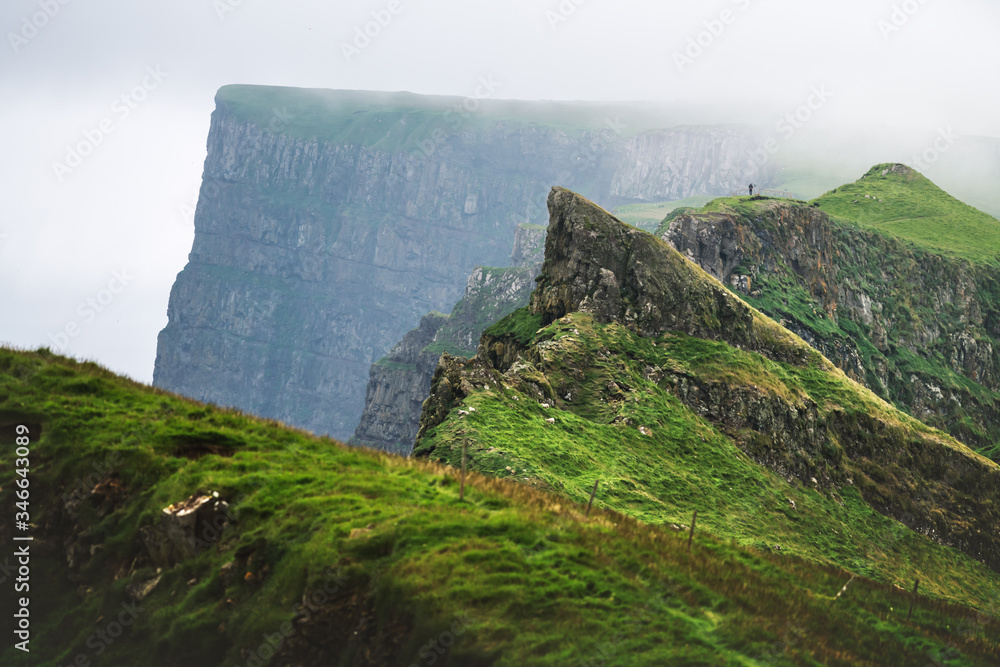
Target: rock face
[(330, 222), (399, 383), (917, 328), (397, 386), (610, 291), (596, 264)]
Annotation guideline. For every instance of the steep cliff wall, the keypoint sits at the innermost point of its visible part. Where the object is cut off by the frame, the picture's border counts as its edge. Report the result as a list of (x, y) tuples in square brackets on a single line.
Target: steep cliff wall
[(918, 328), (399, 383), (330, 222)]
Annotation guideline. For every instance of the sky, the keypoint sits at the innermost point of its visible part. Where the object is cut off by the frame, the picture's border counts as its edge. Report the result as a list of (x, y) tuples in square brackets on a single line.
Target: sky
[(106, 106)]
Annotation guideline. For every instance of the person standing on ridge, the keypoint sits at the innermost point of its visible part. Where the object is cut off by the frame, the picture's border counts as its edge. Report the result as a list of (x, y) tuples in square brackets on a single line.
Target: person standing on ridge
[(750, 188)]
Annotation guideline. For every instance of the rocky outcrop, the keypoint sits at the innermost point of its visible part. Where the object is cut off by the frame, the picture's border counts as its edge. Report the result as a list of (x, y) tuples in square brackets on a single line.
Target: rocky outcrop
[(596, 264), (399, 383), (330, 222), (917, 328), (599, 271)]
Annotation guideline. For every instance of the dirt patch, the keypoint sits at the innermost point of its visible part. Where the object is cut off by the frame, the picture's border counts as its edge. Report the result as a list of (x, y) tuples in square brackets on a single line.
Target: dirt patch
[(196, 450)]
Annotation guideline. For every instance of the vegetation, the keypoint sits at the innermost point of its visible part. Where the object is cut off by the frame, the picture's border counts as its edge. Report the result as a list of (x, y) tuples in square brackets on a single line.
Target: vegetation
[(348, 116), (913, 329), (897, 201), (531, 578), (618, 421)]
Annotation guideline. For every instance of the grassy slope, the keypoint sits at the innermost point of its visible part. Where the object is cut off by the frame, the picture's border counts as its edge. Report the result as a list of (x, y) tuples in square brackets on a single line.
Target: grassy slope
[(539, 583), (687, 463), (904, 204)]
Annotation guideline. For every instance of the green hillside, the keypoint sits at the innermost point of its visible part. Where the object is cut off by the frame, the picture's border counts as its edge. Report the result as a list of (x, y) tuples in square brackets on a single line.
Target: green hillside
[(915, 324), (390, 561), (898, 201)]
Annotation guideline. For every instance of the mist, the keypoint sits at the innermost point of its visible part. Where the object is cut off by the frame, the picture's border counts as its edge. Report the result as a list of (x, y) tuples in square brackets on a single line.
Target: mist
[(90, 245)]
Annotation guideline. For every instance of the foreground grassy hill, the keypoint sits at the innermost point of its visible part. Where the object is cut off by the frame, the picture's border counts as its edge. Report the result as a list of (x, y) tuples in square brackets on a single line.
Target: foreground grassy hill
[(337, 556)]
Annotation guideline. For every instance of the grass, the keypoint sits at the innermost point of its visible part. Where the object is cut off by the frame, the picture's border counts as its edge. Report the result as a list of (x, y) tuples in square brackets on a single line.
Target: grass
[(897, 201), (534, 581), (617, 382), (649, 216), (408, 119), (918, 292)]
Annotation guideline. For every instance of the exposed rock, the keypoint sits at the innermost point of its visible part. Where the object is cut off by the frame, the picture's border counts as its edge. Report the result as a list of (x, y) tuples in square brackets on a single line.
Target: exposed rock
[(870, 297), (595, 264), (399, 383), (186, 528), (319, 243), (397, 386)]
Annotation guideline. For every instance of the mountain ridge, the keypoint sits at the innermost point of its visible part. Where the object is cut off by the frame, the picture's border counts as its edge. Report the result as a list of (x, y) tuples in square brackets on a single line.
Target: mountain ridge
[(775, 398)]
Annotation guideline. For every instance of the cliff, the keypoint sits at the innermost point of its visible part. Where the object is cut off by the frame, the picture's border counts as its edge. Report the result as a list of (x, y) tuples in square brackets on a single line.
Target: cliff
[(399, 383), (330, 222), (919, 324), (634, 368)]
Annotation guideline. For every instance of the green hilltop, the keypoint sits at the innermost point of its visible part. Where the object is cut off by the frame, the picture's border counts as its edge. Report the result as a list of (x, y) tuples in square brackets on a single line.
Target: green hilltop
[(895, 200), (909, 306)]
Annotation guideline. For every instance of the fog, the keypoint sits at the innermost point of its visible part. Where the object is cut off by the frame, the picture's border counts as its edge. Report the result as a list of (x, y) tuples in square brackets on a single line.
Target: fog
[(90, 246)]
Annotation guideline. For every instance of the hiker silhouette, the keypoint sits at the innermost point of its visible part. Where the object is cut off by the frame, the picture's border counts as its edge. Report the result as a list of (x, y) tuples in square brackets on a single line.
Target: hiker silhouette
[(750, 188)]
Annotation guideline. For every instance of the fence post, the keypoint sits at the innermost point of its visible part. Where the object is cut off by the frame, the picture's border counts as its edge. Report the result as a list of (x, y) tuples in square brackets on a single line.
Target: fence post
[(916, 584), (592, 494), (691, 535), (461, 491)]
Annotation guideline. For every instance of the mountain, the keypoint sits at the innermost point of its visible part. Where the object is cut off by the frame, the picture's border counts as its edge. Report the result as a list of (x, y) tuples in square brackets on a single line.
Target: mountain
[(330, 222), (635, 370), (891, 278), (168, 532)]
